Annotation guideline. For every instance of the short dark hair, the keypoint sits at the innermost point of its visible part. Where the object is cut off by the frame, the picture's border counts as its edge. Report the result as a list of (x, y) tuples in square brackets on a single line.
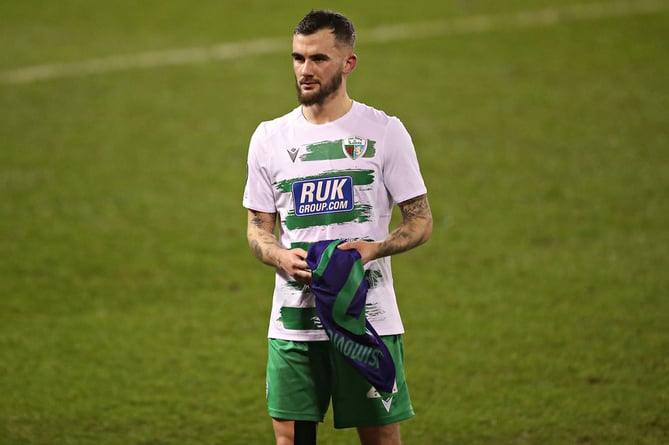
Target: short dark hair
[(318, 19)]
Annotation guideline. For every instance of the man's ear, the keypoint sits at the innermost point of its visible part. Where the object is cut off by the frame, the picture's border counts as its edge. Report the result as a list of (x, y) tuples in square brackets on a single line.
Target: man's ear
[(350, 63)]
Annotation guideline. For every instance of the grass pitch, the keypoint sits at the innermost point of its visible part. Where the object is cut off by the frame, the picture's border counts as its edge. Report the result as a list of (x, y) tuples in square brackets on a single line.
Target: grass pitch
[(132, 312)]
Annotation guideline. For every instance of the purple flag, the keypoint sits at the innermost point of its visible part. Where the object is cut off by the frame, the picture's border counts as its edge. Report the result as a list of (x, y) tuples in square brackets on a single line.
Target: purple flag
[(340, 288)]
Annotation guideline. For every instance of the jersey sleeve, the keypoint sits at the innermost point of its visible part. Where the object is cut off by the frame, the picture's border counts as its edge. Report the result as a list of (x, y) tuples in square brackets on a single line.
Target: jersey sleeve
[(401, 170), (258, 191)]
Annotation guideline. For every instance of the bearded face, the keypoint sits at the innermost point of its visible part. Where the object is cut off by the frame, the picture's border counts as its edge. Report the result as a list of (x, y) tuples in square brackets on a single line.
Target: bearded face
[(312, 91)]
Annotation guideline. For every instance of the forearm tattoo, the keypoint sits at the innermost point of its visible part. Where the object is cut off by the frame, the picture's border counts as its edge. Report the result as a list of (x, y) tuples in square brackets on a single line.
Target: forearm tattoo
[(416, 219), (261, 236)]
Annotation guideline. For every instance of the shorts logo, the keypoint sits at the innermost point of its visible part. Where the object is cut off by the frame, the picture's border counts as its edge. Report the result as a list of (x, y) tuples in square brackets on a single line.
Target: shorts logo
[(326, 195), (354, 147), (387, 402)]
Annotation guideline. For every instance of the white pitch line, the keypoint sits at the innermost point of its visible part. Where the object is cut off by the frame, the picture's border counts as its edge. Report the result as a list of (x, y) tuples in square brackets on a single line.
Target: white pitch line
[(522, 19), (383, 34)]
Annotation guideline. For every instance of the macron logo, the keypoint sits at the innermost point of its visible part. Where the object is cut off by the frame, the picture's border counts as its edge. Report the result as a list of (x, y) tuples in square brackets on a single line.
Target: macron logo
[(327, 195), (387, 403)]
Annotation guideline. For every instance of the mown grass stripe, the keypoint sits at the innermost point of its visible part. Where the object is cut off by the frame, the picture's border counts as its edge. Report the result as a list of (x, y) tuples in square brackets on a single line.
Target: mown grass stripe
[(383, 34)]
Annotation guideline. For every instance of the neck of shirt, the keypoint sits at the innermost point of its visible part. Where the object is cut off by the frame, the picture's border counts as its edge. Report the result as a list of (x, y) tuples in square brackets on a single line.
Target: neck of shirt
[(329, 112)]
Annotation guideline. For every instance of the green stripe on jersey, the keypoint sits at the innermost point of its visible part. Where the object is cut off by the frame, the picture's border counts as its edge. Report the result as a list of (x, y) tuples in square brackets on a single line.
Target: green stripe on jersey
[(300, 318), (360, 177), (360, 213), (333, 150)]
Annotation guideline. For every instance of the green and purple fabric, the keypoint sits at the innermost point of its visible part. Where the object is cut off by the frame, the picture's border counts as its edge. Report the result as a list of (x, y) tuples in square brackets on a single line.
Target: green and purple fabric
[(339, 286)]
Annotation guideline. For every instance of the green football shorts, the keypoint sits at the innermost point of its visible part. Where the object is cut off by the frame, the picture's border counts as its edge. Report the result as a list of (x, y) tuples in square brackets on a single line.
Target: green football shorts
[(302, 378)]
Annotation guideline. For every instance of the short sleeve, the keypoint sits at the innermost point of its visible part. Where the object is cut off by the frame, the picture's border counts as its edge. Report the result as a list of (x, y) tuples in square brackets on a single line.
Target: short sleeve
[(401, 170), (258, 191)]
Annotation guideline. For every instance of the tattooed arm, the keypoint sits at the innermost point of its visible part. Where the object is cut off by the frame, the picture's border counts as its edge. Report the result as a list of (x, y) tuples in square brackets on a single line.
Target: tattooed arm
[(414, 230), (265, 246)]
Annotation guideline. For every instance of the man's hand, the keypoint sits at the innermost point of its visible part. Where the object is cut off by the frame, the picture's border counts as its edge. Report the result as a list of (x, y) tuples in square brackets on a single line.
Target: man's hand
[(294, 263), (367, 249), (265, 246)]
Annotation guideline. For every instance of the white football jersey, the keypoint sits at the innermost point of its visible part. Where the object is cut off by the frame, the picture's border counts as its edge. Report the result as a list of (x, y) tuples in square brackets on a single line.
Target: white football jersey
[(338, 180)]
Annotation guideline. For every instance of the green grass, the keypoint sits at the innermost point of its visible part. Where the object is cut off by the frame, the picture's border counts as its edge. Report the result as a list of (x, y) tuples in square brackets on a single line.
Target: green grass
[(132, 312)]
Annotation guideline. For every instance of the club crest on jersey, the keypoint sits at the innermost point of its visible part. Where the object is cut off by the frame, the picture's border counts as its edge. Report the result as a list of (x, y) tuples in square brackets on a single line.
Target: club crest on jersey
[(323, 195), (354, 147)]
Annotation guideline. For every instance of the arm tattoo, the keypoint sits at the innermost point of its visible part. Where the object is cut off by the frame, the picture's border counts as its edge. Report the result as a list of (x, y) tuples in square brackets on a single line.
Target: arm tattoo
[(415, 228), (257, 221), (415, 208), (260, 234), (256, 249)]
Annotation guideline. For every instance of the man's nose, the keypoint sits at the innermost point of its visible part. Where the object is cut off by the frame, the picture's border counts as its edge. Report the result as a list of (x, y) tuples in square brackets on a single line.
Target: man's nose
[(307, 68)]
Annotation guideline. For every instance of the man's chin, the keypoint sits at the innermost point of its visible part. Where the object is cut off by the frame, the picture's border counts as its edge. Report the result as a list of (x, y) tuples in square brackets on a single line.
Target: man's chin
[(310, 99)]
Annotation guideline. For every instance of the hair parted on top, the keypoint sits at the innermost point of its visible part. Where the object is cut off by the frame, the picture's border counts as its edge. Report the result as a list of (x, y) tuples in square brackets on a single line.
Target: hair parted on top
[(318, 19)]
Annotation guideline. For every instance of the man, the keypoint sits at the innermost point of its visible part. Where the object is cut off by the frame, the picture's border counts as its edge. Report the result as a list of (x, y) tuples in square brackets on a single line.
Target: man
[(331, 169)]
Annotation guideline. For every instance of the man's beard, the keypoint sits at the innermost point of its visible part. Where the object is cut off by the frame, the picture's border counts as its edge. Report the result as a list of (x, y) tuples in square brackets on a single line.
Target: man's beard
[(325, 91)]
